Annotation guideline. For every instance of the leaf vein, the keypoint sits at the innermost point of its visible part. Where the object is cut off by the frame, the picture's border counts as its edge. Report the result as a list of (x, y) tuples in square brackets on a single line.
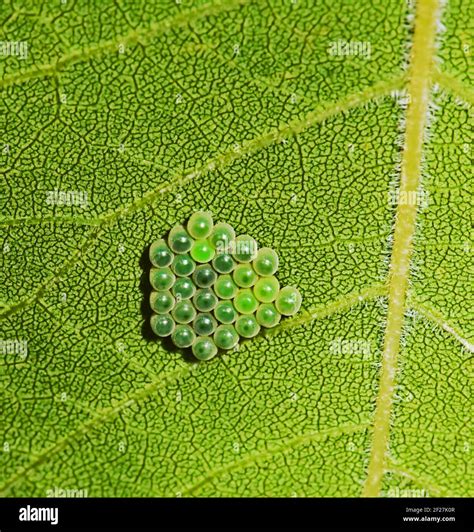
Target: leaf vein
[(134, 36), (420, 73), (271, 451), (435, 316), (101, 416)]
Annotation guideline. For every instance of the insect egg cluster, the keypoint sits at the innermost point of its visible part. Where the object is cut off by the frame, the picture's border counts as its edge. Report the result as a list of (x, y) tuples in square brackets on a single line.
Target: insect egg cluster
[(212, 288)]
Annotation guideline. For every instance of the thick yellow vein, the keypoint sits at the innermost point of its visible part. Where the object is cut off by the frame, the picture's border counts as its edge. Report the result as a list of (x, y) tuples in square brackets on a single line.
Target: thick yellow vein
[(420, 71), (160, 382), (453, 85), (272, 450), (135, 36), (435, 316)]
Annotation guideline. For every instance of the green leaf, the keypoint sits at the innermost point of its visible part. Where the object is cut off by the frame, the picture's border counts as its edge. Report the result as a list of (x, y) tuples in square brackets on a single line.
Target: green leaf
[(304, 124)]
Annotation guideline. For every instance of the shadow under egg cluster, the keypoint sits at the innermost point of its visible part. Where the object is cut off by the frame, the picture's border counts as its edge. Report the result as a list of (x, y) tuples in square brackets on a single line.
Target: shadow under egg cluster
[(212, 288)]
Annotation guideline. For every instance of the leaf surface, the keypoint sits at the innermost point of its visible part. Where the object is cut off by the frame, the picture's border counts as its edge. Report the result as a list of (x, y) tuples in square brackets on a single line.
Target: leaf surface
[(298, 123)]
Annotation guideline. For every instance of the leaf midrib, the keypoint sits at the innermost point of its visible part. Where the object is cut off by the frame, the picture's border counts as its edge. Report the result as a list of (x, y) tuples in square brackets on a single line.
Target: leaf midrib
[(419, 81)]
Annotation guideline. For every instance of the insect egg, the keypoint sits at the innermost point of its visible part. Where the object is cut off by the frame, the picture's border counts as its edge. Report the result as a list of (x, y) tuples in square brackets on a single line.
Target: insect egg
[(179, 240), (266, 262), (204, 276), (200, 225), (162, 324), (247, 326), (183, 265), (202, 251), (267, 315), (204, 348), (205, 300), (288, 301), (223, 263), (162, 301), (244, 275), (162, 278), (225, 287), (225, 312), (204, 324), (221, 237), (160, 254), (244, 248), (183, 336), (226, 337), (245, 302), (183, 288), (266, 289), (184, 311)]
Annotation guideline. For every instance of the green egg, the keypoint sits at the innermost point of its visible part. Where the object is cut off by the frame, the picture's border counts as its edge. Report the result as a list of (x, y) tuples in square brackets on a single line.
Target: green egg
[(225, 312), (205, 300), (244, 275), (245, 302), (247, 326), (202, 251), (162, 278), (162, 301), (184, 311), (204, 348), (266, 262), (179, 240), (226, 337), (288, 301), (267, 315), (183, 336), (225, 287), (160, 254), (200, 225), (221, 237), (183, 265), (223, 263), (162, 324), (204, 324), (266, 289), (244, 248), (183, 288), (204, 276)]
